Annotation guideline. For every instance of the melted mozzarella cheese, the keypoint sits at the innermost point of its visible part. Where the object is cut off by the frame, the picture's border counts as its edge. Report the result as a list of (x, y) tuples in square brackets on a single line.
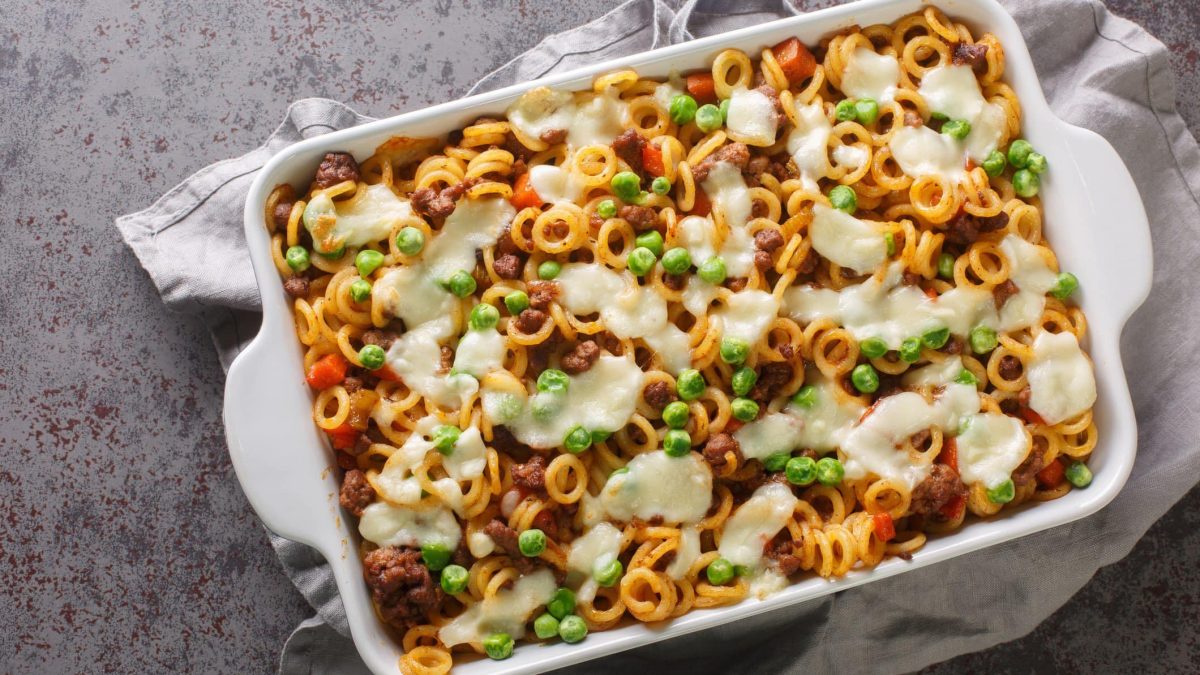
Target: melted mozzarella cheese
[(417, 356), (1061, 382), (991, 447), (748, 315), (808, 144), (598, 120), (882, 307), (555, 184), (871, 75), (384, 524), (921, 151), (480, 545), (627, 310), (480, 352), (475, 224), (847, 241), (590, 554), (686, 554), (466, 461), (871, 447), (505, 612), (934, 374), (755, 523), (727, 190), (770, 434), (412, 295), (751, 118), (767, 582), (368, 217), (954, 92), (698, 235), (678, 489), (667, 91), (601, 399), (540, 110), (849, 156), (825, 424)]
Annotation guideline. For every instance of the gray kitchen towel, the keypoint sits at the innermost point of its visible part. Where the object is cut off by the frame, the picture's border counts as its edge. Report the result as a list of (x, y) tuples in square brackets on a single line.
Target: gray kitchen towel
[(1099, 71)]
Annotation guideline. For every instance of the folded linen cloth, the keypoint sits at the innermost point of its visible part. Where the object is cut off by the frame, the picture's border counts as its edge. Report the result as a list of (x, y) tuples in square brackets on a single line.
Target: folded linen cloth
[(1099, 71)]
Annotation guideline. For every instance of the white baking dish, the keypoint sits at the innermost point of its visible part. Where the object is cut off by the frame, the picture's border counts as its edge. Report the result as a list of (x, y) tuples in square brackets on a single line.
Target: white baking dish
[(1094, 220)]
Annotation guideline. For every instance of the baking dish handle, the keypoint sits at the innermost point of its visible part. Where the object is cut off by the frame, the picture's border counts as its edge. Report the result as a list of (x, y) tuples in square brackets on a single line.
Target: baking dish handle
[(1117, 215), (262, 449)]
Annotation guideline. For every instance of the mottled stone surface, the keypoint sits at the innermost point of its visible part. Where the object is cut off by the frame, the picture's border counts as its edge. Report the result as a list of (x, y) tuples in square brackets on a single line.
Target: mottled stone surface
[(125, 542)]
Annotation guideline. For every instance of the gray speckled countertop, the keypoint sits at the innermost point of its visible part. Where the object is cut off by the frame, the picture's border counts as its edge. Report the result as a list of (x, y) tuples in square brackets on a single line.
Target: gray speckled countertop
[(126, 542)]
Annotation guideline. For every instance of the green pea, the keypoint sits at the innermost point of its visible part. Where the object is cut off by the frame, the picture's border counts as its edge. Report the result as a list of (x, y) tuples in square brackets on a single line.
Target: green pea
[(626, 185), (435, 556), (516, 302), (690, 384), (651, 240), (641, 197), (1037, 163), (599, 436), (545, 626), (719, 572), (741, 570), (734, 350), (712, 271), (532, 542), (682, 109), (1064, 286), (410, 240), (864, 378), (744, 409), (498, 646), (982, 339), (957, 129), (1078, 474), (677, 261), (461, 283), (938, 117), (641, 260), (606, 209), (709, 117), (806, 397), (545, 407), (445, 437), (800, 471), (676, 414), (297, 258), (577, 440), (844, 111), (677, 443), (967, 377), (910, 350), (1002, 493), (844, 198), (936, 339), (334, 254), (1019, 152), (367, 261), (1026, 183), (553, 380), (889, 240), (724, 110), (610, 574), (830, 471), (561, 603), (743, 380), (995, 163), (454, 579), (572, 629), (549, 270), (777, 461), (372, 357), (483, 316), (866, 110), (360, 290), (946, 266), (873, 347), (660, 185)]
